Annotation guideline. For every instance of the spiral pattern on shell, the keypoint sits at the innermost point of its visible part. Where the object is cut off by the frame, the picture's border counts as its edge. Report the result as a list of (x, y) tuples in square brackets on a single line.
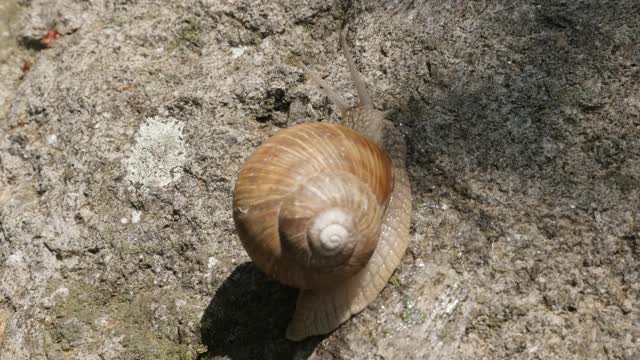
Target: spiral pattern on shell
[(308, 204)]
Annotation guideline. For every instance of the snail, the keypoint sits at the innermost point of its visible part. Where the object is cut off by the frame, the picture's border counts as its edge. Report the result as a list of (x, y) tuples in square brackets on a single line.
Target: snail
[(326, 208)]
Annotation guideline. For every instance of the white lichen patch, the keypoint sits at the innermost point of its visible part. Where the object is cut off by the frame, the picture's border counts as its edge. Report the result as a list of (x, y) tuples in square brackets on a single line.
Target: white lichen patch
[(212, 262), (52, 140), (135, 216), (159, 153), (236, 52), (57, 296)]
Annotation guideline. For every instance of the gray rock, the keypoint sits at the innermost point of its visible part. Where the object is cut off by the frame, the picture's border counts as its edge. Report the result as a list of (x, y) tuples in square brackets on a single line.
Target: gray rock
[(120, 146)]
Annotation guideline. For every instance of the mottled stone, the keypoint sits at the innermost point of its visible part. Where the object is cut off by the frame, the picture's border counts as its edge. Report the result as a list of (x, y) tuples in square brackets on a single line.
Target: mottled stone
[(120, 145)]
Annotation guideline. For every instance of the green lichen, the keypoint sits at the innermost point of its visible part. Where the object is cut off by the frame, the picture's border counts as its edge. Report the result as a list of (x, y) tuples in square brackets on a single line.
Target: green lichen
[(395, 281), (449, 333), (294, 60), (411, 315), (132, 318), (189, 35)]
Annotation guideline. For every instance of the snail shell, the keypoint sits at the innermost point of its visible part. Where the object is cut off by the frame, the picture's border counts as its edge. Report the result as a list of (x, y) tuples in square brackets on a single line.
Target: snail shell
[(309, 204), (326, 208)]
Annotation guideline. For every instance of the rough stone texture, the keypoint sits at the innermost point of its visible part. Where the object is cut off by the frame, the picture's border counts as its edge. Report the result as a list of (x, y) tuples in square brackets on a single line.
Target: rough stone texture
[(119, 148), (12, 57)]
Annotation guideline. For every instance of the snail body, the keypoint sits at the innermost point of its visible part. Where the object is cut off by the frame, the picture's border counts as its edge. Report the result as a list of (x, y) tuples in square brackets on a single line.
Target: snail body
[(326, 208)]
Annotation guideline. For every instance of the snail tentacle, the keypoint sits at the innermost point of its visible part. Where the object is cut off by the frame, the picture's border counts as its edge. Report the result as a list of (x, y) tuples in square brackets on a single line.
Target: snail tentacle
[(338, 100), (361, 88)]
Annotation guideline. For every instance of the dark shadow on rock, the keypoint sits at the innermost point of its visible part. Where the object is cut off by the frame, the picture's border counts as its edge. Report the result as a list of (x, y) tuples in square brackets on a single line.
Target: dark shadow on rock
[(248, 316), (534, 114)]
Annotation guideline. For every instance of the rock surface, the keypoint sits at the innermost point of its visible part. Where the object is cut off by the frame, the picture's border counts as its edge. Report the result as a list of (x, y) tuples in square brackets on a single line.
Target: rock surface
[(119, 148)]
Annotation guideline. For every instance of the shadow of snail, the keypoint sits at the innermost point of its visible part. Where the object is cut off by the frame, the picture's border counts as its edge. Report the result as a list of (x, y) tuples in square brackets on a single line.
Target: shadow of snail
[(248, 316)]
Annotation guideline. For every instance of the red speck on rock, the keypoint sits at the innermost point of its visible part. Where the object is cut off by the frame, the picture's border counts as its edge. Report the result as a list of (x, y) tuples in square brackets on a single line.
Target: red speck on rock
[(50, 38), (26, 66)]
